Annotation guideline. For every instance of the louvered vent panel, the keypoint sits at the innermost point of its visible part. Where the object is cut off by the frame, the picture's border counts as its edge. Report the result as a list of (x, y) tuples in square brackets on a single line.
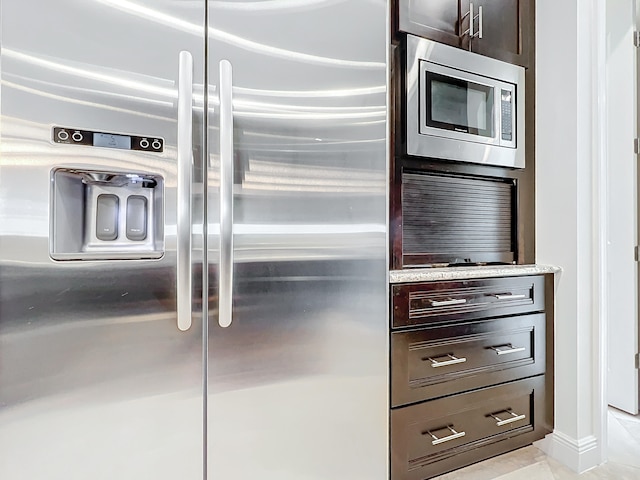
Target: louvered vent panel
[(453, 215)]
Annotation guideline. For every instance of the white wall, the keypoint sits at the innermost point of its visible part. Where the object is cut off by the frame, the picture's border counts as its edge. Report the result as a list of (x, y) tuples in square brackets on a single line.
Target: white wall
[(569, 199)]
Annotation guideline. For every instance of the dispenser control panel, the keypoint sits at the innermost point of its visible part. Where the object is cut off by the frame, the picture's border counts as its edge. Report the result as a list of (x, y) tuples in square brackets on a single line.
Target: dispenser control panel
[(73, 136)]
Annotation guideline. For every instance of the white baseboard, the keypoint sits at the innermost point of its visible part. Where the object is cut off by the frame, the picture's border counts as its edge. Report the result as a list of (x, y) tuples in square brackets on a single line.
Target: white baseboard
[(579, 455)]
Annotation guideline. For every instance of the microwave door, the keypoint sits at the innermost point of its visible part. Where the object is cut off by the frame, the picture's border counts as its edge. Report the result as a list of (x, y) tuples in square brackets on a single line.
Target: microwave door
[(459, 105), (456, 105)]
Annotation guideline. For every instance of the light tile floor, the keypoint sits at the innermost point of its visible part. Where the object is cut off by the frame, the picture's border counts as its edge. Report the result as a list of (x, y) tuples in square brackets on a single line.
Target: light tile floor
[(530, 463)]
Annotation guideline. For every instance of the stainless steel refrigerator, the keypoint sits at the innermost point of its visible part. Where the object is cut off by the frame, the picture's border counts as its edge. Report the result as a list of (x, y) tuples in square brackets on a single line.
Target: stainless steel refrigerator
[(193, 273)]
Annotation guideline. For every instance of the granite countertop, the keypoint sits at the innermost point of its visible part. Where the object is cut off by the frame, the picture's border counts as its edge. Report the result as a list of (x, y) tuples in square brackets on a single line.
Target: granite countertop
[(461, 273)]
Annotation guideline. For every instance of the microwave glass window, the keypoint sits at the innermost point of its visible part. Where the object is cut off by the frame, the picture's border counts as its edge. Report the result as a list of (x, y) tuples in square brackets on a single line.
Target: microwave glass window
[(455, 104), (458, 105)]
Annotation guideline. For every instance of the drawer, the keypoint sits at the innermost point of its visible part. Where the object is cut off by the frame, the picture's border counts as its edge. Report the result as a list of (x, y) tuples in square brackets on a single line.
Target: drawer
[(438, 361), (437, 436), (441, 302)]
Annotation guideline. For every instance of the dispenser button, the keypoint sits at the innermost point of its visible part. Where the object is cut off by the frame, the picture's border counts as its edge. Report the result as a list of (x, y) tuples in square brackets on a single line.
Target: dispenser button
[(107, 217), (77, 137), (136, 218), (63, 135)]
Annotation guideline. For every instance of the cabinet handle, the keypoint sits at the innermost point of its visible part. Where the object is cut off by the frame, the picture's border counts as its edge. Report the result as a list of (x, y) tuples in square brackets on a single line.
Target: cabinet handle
[(453, 361), (509, 296), (506, 349), (472, 19), (469, 14), (514, 418), (448, 438), (444, 303)]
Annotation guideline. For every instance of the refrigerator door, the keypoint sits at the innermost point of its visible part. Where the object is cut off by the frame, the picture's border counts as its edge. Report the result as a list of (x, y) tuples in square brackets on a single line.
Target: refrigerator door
[(96, 379), (297, 321)]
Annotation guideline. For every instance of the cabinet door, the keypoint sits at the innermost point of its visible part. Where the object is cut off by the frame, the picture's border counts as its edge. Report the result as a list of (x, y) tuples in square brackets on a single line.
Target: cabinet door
[(437, 20), (506, 30)]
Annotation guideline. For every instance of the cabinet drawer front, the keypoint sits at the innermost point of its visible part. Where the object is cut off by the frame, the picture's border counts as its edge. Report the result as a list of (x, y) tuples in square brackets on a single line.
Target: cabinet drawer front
[(441, 302), (438, 361), (439, 435)]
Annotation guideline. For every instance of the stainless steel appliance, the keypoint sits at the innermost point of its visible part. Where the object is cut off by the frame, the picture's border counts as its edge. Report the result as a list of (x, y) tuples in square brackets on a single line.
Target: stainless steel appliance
[(193, 240), (462, 106)]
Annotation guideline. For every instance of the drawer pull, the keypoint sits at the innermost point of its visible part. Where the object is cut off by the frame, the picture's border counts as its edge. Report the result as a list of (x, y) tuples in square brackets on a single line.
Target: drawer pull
[(506, 349), (453, 436), (453, 361), (445, 303), (509, 296), (514, 418)]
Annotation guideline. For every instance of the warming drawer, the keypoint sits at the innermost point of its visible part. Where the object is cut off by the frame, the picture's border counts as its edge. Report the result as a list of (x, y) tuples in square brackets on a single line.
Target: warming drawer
[(438, 361), (430, 303)]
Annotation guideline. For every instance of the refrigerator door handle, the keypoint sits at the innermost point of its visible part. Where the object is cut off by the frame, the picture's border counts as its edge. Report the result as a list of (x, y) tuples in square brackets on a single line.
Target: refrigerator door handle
[(185, 168), (225, 287)]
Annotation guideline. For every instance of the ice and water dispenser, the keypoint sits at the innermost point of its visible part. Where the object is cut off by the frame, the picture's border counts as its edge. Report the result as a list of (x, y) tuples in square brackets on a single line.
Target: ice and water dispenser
[(99, 214)]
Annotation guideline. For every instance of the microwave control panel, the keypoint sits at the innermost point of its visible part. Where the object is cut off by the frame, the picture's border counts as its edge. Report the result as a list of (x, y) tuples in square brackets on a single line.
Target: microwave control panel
[(506, 115)]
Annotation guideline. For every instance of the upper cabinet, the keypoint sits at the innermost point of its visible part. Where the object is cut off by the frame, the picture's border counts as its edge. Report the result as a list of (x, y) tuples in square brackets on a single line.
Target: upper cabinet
[(500, 29), (505, 30), (437, 20)]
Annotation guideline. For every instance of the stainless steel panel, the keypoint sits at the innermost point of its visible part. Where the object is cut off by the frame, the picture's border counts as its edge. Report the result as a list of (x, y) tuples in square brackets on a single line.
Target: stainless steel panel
[(454, 145), (298, 383), (96, 381)]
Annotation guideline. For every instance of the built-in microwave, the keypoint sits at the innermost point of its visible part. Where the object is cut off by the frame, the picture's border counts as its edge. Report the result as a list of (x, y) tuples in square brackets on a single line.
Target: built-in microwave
[(462, 106)]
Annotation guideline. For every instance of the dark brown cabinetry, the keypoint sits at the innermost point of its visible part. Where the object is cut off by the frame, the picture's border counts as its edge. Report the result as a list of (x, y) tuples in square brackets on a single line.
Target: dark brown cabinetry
[(506, 26), (471, 359), (438, 20), (470, 363), (436, 218), (456, 219), (502, 29), (443, 302), (438, 436), (438, 361)]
